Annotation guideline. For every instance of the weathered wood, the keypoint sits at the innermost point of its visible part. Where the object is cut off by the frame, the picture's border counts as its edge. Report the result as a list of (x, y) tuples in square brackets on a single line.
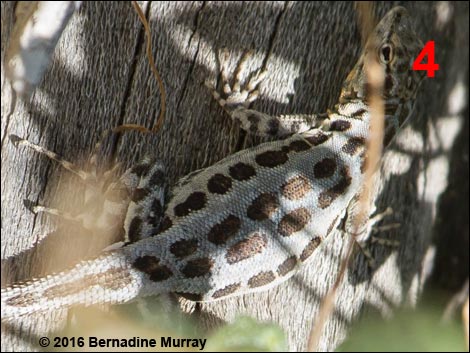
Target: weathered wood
[(100, 78)]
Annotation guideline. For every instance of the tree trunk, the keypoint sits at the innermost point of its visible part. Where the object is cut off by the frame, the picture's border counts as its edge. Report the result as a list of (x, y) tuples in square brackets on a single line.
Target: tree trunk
[(100, 77)]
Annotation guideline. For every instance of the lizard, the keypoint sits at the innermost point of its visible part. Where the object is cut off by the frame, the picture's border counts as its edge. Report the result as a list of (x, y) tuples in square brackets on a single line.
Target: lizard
[(251, 220)]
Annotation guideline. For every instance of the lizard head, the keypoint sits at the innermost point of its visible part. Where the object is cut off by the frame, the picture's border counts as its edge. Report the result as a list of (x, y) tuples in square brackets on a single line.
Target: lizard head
[(394, 45)]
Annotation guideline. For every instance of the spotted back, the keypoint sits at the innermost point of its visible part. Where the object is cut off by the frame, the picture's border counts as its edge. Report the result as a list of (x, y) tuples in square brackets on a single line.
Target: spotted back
[(248, 222)]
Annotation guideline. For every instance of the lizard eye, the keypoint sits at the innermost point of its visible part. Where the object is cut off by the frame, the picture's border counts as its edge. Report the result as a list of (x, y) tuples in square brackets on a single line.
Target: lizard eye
[(386, 53)]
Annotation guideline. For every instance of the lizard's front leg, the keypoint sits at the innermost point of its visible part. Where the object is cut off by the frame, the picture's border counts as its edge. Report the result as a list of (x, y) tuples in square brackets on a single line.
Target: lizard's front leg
[(236, 98)]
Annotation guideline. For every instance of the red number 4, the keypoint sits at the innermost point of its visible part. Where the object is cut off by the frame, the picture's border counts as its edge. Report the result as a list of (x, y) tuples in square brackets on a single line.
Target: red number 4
[(430, 66)]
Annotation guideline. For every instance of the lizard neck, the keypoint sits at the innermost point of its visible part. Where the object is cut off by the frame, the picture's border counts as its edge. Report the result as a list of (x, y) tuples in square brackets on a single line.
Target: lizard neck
[(357, 113), (351, 118)]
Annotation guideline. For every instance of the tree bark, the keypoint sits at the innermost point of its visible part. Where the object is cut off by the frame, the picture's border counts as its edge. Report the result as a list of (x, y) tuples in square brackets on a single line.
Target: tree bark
[(100, 77)]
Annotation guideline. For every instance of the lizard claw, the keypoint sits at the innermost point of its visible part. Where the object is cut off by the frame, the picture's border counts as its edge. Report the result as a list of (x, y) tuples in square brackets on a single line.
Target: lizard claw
[(238, 93)]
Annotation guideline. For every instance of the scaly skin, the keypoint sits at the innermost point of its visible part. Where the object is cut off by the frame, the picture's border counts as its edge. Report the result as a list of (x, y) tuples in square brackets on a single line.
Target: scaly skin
[(248, 222)]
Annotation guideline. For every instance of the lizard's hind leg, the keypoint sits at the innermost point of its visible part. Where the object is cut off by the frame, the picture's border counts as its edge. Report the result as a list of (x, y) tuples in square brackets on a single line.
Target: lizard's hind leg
[(85, 176), (365, 240), (86, 214), (107, 195), (146, 207)]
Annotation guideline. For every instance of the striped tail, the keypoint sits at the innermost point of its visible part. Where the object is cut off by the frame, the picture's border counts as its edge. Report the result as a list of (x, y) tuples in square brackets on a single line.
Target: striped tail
[(107, 279)]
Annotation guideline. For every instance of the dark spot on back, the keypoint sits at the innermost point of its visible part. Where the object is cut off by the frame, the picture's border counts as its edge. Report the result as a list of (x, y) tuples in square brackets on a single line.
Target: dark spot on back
[(318, 138), (271, 159), (340, 125), (310, 248), (294, 221), (194, 202), (241, 171), (231, 288), (151, 266), (353, 144), (324, 168), (287, 266), (227, 228), (219, 184), (327, 197), (198, 267), (359, 113), (146, 263), (183, 248), (296, 188), (246, 248), (299, 146), (262, 207), (261, 279)]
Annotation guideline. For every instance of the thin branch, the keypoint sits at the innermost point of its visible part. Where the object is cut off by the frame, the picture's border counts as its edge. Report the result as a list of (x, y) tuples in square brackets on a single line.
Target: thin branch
[(161, 116), (375, 78)]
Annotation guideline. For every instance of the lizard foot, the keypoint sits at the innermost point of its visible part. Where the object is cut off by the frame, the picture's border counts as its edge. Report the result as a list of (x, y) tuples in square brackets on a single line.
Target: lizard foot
[(238, 94), (364, 246)]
